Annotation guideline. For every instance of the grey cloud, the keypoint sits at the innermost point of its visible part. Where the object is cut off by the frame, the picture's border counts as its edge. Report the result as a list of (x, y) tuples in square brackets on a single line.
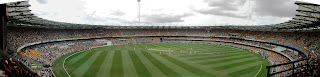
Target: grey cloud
[(225, 5), (222, 8), (279, 8), (89, 18), (221, 13), (165, 18), (42, 1), (118, 13), (93, 18)]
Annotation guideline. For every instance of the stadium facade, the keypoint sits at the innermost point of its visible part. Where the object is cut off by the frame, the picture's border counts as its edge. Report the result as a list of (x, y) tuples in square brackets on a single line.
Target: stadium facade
[(291, 47)]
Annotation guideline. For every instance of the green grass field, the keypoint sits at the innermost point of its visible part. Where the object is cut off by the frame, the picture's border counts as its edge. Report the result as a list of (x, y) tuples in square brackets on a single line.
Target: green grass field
[(183, 60)]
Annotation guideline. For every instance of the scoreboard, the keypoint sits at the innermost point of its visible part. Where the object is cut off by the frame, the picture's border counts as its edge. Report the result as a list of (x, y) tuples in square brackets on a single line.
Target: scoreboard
[(208, 30)]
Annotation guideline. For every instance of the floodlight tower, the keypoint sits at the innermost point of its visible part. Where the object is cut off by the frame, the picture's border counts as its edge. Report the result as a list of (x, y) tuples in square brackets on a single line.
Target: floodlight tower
[(139, 9)]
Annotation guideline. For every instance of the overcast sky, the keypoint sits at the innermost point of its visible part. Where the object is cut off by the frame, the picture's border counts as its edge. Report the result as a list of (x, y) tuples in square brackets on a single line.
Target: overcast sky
[(195, 12)]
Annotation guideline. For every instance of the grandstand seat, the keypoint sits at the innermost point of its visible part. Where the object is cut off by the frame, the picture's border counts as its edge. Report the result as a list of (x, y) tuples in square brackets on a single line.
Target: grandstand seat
[(34, 52), (22, 53)]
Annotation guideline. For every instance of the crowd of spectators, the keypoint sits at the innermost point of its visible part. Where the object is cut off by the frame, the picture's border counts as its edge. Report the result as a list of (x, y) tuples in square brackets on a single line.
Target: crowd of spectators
[(17, 37), (11, 67), (52, 51), (308, 41)]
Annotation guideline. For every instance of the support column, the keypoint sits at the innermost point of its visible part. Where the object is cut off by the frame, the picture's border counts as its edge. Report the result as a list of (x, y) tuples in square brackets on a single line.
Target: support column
[(3, 23)]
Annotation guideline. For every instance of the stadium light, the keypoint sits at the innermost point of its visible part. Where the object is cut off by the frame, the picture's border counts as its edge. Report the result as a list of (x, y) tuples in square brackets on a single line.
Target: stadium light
[(139, 9)]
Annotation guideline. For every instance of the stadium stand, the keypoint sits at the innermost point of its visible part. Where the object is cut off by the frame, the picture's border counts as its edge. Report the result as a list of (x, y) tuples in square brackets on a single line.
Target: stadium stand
[(42, 45), (312, 48)]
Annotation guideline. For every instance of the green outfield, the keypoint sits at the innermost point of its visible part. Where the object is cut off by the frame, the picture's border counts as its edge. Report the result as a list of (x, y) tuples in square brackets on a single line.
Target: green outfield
[(161, 60)]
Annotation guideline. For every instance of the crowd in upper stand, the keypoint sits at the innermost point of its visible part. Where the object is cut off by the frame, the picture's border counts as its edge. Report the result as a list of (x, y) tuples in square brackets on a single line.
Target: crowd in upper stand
[(308, 41)]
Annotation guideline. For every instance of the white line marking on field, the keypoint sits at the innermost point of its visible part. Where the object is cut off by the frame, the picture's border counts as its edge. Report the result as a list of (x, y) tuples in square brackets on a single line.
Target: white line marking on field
[(158, 50), (65, 61), (259, 71)]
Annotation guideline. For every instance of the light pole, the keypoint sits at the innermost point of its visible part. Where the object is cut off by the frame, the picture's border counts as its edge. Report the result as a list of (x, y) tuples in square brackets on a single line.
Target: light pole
[(139, 10)]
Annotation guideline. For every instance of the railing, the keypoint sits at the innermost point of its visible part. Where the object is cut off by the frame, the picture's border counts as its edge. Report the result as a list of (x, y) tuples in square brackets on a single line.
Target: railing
[(295, 68)]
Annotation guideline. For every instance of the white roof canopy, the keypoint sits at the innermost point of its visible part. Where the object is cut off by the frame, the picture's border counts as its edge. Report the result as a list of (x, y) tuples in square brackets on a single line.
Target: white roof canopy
[(307, 18)]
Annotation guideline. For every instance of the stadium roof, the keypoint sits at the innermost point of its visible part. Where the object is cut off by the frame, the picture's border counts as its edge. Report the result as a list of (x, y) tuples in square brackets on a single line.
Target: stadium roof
[(307, 18)]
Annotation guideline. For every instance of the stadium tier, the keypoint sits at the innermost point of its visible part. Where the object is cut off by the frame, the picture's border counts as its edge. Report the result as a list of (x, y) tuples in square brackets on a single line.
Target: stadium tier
[(307, 41), (44, 44), (48, 41)]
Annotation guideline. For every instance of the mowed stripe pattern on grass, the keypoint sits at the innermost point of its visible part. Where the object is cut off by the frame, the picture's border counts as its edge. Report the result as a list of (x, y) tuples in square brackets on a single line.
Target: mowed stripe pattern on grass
[(212, 60), (86, 65), (136, 61)]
